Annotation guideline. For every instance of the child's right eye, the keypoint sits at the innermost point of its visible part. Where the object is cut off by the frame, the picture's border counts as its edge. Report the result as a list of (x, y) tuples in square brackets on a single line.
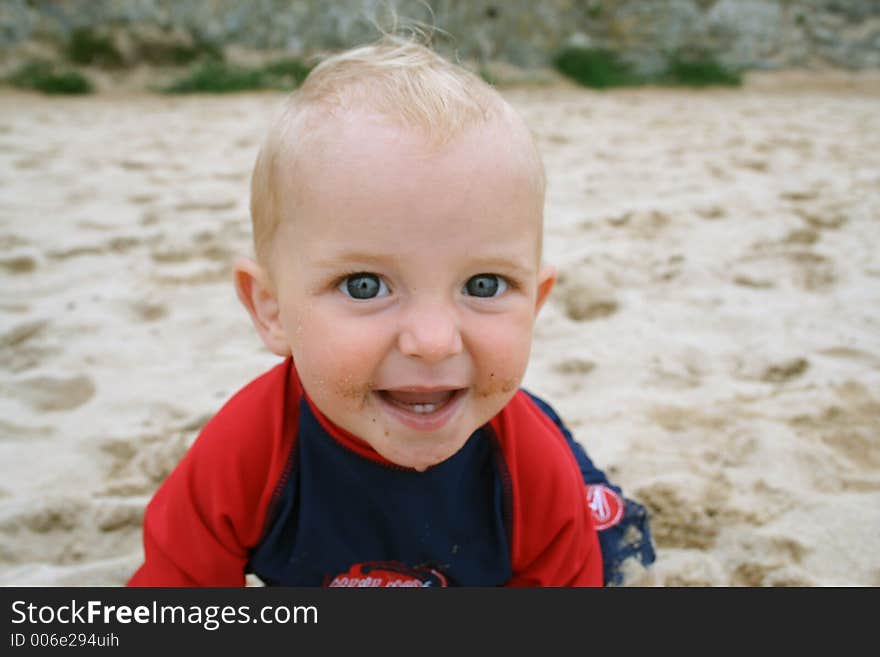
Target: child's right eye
[(363, 286)]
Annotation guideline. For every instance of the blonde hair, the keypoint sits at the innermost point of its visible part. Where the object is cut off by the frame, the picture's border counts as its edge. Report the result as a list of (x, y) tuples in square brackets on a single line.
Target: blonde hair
[(399, 79)]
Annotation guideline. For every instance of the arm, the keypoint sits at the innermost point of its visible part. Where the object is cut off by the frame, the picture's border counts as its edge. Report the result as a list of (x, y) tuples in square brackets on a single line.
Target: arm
[(203, 521), (188, 539), (552, 538), (564, 552)]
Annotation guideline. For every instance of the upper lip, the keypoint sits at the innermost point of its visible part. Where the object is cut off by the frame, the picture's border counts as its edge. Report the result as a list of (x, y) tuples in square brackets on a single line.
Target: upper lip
[(430, 388)]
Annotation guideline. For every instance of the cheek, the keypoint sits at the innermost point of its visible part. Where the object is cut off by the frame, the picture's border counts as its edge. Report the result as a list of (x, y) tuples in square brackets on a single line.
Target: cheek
[(333, 359), (501, 354)]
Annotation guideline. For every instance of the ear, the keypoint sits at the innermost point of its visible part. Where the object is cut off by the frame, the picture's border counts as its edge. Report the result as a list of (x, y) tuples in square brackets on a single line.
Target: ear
[(257, 295), (546, 280)]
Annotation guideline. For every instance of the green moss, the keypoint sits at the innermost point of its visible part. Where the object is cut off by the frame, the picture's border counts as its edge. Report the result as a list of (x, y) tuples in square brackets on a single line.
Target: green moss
[(219, 77), (88, 48), (487, 76), (593, 67), (44, 76), (164, 53), (603, 69), (287, 72), (699, 71)]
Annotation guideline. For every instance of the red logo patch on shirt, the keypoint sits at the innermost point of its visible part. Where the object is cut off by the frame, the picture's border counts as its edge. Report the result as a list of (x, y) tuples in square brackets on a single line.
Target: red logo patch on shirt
[(388, 574), (606, 505)]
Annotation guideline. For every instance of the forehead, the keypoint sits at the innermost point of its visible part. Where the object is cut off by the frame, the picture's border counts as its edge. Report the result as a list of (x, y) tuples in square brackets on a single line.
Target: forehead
[(347, 136), (358, 173)]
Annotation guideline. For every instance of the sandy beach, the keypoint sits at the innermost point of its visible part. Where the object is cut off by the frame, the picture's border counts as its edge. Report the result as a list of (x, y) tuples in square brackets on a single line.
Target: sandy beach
[(714, 339)]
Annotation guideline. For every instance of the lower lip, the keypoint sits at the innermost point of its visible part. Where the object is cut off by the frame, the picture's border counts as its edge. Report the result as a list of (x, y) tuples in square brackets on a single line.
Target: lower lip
[(424, 421)]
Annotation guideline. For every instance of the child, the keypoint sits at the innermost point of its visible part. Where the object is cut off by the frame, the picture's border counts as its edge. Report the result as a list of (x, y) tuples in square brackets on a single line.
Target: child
[(397, 205)]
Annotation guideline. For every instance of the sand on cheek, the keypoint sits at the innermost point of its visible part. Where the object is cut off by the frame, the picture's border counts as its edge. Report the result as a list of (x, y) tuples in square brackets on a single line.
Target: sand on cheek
[(355, 393), (501, 376), (496, 385)]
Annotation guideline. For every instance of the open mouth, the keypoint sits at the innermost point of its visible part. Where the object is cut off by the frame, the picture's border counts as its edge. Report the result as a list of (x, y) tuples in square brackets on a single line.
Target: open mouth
[(422, 409), (418, 402)]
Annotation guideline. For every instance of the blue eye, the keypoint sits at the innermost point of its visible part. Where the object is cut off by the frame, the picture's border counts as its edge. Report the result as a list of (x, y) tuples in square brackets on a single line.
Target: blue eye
[(363, 286), (485, 285)]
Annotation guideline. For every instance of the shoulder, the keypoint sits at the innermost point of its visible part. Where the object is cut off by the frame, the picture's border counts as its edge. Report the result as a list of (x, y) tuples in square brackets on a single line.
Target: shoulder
[(539, 463), (258, 407), (553, 541), (531, 440), (243, 450)]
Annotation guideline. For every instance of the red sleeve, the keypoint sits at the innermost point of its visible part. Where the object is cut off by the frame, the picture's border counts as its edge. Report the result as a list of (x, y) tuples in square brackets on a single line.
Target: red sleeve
[(554, 541), (207, 515)]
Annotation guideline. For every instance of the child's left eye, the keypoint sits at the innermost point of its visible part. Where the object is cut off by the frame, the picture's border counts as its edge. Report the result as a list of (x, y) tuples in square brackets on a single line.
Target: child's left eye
[(485, 285)]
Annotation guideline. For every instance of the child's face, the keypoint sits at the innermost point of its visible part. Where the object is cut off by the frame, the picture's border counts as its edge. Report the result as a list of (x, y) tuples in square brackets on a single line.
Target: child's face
[(408, 281)]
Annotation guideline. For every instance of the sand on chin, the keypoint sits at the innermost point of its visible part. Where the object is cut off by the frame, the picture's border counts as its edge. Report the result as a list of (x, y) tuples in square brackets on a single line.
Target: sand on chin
[(714, 339)]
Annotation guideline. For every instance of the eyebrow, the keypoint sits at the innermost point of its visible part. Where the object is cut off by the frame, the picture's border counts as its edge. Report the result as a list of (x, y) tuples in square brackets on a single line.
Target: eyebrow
[(500, 262), (489, 262), (353, 256)]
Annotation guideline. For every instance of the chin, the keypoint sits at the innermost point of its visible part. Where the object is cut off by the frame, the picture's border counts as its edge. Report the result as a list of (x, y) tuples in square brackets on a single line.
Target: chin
[(422, 459)]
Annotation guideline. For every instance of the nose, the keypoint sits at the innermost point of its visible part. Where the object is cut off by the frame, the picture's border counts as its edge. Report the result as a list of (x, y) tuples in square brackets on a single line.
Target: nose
[(430, 332)]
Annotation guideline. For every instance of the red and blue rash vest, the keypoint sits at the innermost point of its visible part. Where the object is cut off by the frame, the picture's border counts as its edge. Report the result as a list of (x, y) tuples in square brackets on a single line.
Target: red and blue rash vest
[(272, 487)]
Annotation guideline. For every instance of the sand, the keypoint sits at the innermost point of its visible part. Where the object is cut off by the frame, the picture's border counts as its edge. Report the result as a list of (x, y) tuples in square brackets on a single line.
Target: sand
[(714, 340)]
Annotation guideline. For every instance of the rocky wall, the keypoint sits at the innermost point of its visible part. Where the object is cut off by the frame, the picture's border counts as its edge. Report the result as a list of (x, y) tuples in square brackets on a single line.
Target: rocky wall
[(745, 34)]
